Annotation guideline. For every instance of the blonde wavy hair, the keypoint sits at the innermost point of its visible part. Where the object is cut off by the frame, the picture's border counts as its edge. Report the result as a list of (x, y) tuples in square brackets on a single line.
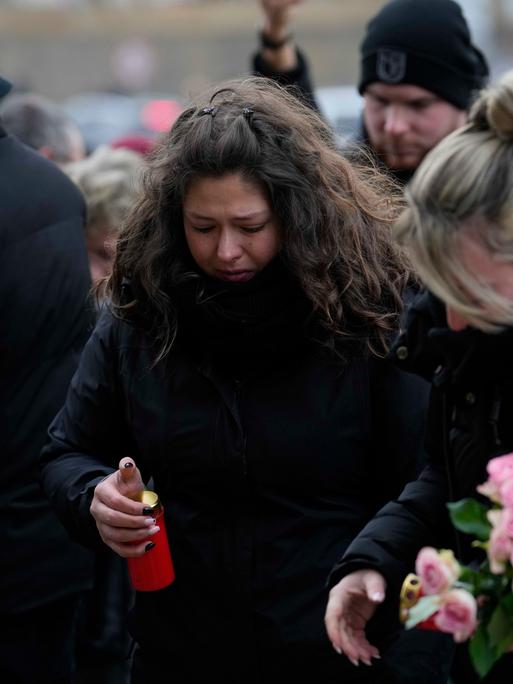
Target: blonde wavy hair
[(110, 180), (464, 189)]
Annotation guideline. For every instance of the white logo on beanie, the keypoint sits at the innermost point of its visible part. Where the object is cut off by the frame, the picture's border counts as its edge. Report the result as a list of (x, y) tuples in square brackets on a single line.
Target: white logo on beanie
[(390, 65)]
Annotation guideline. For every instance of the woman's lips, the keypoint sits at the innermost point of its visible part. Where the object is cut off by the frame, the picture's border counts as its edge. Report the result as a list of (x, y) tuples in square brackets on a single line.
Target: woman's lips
[(235, 276)]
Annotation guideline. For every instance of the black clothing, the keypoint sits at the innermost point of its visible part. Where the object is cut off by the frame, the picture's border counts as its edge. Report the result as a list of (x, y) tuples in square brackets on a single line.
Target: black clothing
[(265, 476), (426, 43), (37, 647), (44, 287), (299, 80), (469, 423)]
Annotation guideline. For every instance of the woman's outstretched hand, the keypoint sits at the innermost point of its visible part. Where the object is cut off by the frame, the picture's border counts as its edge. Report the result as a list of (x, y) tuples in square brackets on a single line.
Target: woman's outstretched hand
[(121, 519), (352, 602)]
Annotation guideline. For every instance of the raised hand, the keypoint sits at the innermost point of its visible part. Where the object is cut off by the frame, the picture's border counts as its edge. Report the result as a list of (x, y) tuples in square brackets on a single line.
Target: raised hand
[(352, 602), (277, 13)]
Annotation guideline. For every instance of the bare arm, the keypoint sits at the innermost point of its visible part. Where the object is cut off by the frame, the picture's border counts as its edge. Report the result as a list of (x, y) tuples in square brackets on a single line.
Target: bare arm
[(276, 27)]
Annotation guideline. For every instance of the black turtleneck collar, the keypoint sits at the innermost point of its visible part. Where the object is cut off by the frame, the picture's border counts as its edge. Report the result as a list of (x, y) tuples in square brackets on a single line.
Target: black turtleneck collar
[(242, 326)]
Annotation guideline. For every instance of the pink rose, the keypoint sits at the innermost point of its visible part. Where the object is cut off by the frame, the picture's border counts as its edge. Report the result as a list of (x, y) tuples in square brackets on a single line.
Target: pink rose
[(506, 522), (506, 492), (490, 490), (437, 570), (500, 548), (500, 468), (457, 614)]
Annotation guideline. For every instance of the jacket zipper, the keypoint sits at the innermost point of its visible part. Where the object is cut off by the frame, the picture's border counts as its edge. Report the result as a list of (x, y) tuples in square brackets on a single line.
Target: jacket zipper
[(238, 394)]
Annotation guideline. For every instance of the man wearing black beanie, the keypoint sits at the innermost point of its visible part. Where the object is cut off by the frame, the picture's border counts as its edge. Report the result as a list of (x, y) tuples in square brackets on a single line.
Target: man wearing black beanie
[(419, 72)]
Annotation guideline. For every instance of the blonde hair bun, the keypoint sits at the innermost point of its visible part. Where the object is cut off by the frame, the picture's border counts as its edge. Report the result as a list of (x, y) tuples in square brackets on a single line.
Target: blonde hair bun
[(494, 108)]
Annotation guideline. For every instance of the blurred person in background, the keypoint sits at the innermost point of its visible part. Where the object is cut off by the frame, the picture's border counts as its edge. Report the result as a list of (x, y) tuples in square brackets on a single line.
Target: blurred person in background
[(46, 319), (44, 126), (239, 364), (458, 225), (419, 72), (110, 180), (141, 143)]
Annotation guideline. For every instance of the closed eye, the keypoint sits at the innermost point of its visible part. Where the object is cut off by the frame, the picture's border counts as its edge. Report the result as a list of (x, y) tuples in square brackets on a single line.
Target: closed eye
[(253, 229), (202, 229)]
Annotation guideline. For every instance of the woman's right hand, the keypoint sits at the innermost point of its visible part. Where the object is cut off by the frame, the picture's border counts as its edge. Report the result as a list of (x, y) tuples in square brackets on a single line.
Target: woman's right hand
[(119, 518), (352, 602), (277, 14)]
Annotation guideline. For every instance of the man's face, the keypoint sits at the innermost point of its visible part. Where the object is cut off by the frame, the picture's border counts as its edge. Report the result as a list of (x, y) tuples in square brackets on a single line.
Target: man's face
[(404, 122)]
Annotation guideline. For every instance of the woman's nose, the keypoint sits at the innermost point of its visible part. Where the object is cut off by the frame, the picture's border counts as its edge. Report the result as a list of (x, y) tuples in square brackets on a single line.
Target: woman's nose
[(228, 247)]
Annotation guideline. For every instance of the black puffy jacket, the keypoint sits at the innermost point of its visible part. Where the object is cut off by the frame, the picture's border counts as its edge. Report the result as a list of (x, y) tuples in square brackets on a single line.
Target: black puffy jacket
[(469, 423), (44, 285), (264, 484)]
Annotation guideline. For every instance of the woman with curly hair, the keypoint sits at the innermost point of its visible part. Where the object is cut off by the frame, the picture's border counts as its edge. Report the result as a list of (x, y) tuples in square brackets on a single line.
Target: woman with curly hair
[(240, 365)]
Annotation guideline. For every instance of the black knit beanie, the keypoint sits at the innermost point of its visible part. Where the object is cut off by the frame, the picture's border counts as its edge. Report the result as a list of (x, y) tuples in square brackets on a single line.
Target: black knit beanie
[(425, 43)]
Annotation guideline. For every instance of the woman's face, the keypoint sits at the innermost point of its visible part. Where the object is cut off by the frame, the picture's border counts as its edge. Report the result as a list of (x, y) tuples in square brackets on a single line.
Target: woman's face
[(491, 272), (230, 227)]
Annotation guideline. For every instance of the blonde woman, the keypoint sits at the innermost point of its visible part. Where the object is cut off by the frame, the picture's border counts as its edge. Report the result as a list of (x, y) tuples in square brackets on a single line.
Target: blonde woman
[(458, 227), (110, 180)]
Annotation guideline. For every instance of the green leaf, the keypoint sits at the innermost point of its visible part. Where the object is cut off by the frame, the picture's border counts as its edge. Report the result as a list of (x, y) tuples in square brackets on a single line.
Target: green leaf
[(422, 610), (481, 654), (500, 627), (469, 516)]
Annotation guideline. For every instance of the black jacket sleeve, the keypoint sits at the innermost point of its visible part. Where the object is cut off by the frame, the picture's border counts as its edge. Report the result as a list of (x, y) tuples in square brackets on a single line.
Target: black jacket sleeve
[(89, 435), (298, 78), (390, 542)]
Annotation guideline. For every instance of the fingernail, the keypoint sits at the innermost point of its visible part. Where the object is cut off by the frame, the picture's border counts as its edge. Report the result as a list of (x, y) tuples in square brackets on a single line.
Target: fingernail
[(377, 656), (147, 511), (128, 464), (354, 661), (154, 530), (337, 650), (377, 597), (149, 546), (149, 521), (367, 662)]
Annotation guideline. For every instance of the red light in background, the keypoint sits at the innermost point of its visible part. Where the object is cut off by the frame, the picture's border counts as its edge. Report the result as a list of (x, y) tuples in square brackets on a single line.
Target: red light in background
[(160, 115)]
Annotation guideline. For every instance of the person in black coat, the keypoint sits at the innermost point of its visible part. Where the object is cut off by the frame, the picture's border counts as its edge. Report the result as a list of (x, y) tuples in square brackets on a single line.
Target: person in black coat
[(46, 320), (458, 226), (240, 366), (419, 73)]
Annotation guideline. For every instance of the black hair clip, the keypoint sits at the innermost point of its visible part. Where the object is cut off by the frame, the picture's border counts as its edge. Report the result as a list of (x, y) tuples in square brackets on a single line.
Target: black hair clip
[(208, 110), (247, 112)]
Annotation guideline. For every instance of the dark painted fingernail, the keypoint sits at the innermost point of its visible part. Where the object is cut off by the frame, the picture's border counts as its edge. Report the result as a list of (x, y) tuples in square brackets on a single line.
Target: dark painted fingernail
[(128, 464), (148, 511), (149, 546)]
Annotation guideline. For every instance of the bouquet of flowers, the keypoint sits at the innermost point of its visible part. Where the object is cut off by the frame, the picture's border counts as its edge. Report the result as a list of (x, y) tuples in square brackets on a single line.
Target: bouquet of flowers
[(473, 604)]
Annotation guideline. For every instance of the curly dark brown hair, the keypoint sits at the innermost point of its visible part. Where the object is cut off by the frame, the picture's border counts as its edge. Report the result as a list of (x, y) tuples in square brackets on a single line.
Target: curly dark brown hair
[(335, 218)]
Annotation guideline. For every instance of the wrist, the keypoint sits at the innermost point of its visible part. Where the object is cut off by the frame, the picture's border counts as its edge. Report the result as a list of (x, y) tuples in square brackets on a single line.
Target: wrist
[(275, 40)]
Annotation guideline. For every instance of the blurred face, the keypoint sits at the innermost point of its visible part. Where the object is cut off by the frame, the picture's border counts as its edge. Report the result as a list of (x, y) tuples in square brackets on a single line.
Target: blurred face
[(230, 227), (404, 122), (100, 249), (495, 274)]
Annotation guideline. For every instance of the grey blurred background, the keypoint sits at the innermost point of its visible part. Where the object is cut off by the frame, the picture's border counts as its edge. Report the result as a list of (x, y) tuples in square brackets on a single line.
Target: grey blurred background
[(64, 47)]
